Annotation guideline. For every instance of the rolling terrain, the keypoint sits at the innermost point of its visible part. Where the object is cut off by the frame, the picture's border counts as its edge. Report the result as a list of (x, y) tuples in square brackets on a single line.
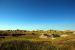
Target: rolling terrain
[(37, 40)]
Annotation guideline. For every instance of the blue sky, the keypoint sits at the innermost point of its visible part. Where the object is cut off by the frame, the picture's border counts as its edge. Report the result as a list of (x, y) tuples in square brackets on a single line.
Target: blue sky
[(37, 14)]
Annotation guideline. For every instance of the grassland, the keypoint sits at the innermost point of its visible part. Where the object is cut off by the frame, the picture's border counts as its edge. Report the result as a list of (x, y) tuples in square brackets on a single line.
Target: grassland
[(30, 40)]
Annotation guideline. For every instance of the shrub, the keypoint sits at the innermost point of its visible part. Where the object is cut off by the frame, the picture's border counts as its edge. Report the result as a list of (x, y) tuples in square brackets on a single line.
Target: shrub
[(55, 35), (17, 34)]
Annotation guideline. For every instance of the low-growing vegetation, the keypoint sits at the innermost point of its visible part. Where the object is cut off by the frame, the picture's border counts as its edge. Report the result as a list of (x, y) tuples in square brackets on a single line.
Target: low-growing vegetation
[(37, 40)]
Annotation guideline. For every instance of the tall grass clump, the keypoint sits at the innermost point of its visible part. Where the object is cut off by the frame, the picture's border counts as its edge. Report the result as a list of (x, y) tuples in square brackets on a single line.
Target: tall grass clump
[(31, 45)]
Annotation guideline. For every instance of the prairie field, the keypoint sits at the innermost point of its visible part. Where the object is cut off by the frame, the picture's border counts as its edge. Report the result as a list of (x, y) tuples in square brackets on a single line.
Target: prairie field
[(37, 40)]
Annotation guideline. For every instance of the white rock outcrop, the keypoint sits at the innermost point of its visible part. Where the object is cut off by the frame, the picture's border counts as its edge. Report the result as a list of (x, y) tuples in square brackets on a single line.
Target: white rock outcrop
[(43, 36)]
